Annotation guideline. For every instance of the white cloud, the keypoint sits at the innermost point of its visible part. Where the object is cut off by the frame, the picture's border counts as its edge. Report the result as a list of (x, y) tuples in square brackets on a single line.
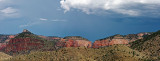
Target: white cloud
[(43, 19), (57, 20), (129, 7), (29, 24), (1, 0), (40, 21), (21, 26), (7, 11)]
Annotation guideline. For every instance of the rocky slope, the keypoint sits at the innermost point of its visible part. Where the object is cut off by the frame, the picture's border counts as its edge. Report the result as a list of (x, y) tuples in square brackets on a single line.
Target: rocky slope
[(27, 46), (26, 41), (23, 43), (77, 41), (4, 57), (69, 41), (119, 39), (4, 39), (2, 46), (74, 41), (112, 53), (150, 45)]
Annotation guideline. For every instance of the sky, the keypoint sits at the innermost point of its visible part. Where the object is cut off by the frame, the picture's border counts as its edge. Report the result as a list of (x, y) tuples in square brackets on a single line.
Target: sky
[(91, 19)]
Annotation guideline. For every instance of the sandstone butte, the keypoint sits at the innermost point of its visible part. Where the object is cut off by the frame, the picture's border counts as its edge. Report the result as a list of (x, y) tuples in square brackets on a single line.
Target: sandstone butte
[(118, 39)]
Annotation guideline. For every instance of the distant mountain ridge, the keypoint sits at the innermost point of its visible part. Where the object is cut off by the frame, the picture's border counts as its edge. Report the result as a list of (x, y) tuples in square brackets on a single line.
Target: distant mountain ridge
[(132, 47), (77, 41), (26, 41)]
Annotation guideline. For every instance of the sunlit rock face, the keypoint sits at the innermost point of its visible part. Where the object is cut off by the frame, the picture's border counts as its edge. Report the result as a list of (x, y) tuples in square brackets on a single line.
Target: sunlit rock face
[(74, 41), (119, 39)]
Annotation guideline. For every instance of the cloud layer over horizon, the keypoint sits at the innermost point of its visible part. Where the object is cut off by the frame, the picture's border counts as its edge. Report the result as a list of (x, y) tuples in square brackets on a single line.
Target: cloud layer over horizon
[(126, 7)]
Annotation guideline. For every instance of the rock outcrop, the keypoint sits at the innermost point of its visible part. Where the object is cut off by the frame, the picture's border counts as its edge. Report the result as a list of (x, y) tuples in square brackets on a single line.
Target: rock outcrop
[(25, 30), (74, 41), (23, 45), (119, 39), (149, 44), (112, 53), (2, 46), (4, 39)]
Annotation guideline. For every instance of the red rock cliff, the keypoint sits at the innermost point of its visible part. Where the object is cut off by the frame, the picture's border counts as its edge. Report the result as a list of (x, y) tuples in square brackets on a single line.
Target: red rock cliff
[(74, 41), (4, 39), (21, 45)]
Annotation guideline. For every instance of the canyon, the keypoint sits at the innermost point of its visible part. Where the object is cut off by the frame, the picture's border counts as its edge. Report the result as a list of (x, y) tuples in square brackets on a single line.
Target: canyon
[(76, 41), (26, 45)]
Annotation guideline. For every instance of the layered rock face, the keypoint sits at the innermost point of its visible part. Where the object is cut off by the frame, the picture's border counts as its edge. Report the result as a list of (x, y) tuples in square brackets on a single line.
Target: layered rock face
[(2, 46), (119, 39), (134, 37), (4, 39), (74, 41), (23, 45)]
